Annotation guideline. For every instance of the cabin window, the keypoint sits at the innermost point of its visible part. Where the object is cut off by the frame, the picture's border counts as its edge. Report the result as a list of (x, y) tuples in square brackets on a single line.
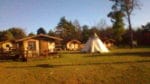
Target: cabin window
[(7, 45), (32, 45)]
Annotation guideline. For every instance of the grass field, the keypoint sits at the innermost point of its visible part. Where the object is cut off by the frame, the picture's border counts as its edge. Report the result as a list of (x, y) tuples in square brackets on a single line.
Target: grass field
[(121, 66)]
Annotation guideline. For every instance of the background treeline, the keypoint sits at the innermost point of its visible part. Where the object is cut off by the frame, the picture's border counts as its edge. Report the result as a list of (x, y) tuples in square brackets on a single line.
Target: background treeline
[(12, 34), (69, 30)]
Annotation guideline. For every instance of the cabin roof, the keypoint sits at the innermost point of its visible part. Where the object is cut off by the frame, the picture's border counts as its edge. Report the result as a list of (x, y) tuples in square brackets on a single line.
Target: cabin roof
[(40, 35), (74, 41)]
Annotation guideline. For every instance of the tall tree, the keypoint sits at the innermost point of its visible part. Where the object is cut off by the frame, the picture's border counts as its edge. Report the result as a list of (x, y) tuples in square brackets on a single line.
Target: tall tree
[(78, 29), (51, 33), (66, 30), (85, 33), (77, 24), (41, 30), (118, 25), (61, 28), (127, 6)]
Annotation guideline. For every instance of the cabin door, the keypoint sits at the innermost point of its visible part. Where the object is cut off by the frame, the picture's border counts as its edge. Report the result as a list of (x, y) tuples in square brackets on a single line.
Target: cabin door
[(43, 47)]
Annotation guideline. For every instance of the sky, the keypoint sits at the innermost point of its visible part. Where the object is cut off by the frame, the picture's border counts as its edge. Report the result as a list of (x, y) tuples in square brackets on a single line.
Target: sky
[(33, 14)]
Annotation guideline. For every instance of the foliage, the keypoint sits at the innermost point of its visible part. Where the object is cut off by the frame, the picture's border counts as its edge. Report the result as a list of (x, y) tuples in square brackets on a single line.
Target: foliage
[(51, 33), (127, 7), (116, 16), (146, 34), (17, 33), (7, 35), (78, 30), (85, 33), (41, 30), (66, 30), (146, 27), (107, 33), (1, 35), (31, 34), (12, 34)]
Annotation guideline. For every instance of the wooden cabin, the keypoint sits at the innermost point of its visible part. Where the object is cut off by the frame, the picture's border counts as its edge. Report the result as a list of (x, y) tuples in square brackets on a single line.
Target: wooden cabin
[(39, 45), (73, 45)]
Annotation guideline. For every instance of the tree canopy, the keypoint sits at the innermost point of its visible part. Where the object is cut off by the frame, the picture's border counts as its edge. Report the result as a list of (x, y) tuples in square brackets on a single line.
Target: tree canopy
[(12, 34), (66, 30), (126, 7), (41, 30), (117, 16), (17, 33)]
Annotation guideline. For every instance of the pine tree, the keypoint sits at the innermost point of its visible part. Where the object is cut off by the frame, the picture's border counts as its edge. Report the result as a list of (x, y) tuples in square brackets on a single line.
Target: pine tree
[(118, 25)]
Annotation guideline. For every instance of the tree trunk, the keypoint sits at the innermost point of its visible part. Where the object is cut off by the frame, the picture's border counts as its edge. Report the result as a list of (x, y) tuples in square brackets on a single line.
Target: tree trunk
[(130, 30)]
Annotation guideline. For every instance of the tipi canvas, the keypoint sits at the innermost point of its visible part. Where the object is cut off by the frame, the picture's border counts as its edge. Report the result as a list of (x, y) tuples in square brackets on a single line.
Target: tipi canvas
[(94, 44)]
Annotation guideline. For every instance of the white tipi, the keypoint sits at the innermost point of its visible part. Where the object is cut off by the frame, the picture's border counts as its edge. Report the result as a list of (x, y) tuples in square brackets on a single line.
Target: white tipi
[(94, 44)]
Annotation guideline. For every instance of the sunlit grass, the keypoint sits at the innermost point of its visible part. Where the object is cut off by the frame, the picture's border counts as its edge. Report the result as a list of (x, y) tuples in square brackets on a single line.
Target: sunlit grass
[(120, 66)]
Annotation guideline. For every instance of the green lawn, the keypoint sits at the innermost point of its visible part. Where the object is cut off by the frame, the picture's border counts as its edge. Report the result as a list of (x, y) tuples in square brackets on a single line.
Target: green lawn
[(121, 66)]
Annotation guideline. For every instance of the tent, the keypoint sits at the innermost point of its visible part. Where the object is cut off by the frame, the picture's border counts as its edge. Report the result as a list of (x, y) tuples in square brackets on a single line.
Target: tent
[(94, 44)]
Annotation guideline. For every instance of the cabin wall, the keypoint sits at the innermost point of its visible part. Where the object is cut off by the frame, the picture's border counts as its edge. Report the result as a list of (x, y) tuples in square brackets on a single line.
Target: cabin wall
[(51, 46), (46, 47), (73, 46), (43, 47), (30, 52)]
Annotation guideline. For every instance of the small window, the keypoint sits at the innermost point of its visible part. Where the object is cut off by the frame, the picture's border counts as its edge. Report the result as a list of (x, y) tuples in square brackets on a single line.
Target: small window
[(7, 45), (32, 45)]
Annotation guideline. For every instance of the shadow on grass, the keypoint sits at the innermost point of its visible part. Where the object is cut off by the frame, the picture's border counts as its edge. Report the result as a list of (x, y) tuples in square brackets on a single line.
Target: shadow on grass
[(142, 54), (67, 65), (101, 63), (55, 66)]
